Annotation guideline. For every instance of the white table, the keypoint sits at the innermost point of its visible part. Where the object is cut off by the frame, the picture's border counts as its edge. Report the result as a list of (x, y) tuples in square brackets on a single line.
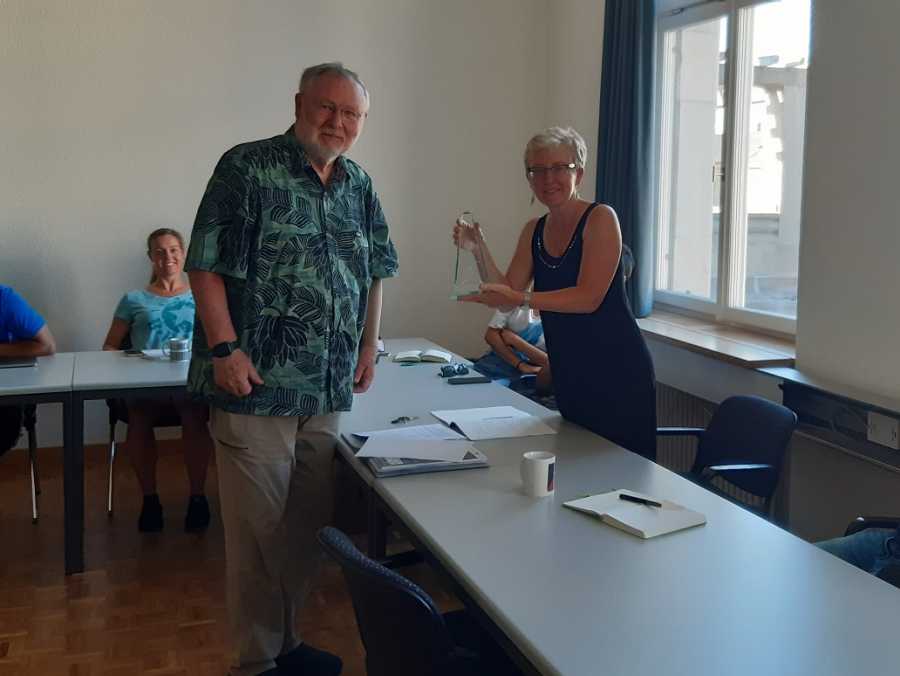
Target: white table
[(51, 375), (50, 381), (737, 596), (106, 375)]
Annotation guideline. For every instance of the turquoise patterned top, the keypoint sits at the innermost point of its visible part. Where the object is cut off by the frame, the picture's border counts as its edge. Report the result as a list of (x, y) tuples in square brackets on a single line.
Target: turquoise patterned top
[(154, 319), (298, 259)]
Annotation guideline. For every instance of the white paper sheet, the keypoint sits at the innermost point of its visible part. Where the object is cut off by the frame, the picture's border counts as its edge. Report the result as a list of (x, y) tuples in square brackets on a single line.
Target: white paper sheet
[(393, 446), (433, 431), (494, 422), (451, 416)]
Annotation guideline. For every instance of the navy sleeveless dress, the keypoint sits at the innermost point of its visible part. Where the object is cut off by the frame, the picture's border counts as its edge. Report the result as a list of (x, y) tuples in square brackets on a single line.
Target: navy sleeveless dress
[(602, 371)]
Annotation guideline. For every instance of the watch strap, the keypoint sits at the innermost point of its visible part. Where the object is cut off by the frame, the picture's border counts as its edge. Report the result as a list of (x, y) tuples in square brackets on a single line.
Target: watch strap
[(223, 349)]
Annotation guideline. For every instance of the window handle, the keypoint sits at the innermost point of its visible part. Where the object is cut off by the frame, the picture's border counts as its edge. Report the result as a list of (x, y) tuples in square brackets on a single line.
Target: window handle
[(718, 171)]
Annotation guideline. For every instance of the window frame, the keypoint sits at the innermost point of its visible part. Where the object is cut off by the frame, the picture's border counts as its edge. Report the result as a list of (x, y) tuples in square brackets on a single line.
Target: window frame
[(731, 282)]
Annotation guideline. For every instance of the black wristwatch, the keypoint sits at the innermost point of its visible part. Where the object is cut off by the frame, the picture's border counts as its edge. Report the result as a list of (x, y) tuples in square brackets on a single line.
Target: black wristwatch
[(221, 350)]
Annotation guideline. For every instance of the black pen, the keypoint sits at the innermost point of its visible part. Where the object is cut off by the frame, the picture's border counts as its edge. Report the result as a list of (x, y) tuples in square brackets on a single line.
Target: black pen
[(640, 501)]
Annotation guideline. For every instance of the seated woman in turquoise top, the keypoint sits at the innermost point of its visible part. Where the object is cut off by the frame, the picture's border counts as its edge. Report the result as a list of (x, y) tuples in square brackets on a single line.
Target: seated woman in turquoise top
[(164, 309)]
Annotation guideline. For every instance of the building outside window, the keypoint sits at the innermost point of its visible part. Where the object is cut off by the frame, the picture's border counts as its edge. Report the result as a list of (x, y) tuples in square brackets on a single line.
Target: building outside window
[(731, 105)]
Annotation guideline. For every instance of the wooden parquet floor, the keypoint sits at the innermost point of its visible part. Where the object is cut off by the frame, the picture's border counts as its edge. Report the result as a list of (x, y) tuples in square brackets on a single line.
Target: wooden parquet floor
[(148, 604)]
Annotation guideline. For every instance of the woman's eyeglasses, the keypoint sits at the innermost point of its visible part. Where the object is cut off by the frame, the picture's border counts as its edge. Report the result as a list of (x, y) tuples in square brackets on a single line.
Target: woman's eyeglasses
[(556, 170)]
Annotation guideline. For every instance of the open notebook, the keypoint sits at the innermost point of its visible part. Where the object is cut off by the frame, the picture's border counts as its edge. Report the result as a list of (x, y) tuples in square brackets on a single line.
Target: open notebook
[(424, 355), (640, 520)]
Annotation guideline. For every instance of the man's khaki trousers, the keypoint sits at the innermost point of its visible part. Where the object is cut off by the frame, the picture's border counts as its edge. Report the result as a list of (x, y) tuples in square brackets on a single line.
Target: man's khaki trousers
[(276, 490)]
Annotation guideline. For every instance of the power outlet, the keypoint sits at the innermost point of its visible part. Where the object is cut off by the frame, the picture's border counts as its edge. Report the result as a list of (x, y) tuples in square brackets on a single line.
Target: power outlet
[(884, 430)]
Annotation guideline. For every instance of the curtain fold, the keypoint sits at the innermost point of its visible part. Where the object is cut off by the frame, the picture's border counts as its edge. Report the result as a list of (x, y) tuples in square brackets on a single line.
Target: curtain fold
[(625, 153)]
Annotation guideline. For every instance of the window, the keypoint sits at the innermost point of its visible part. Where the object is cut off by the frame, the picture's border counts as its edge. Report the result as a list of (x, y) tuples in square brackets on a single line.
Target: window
[(731, 105)]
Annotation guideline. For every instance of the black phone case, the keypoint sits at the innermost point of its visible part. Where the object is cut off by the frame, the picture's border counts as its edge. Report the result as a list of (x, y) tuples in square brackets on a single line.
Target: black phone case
[(466, 380)]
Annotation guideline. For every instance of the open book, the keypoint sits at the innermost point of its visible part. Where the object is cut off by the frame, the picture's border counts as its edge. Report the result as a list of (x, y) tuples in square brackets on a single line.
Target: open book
[(643, 521), (424, 355)]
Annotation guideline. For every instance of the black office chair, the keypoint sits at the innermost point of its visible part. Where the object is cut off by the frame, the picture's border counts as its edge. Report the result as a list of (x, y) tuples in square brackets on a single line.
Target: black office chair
[(402, 630), (14, 418), (890, 574), (744, 444), (118, 412)]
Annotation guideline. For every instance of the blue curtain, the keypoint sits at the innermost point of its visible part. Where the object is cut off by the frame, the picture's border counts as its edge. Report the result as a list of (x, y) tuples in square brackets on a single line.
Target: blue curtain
[(625, 157)]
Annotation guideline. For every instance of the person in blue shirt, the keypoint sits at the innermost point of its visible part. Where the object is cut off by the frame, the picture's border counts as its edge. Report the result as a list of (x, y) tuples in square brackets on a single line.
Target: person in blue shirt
[(149, 317), (23, 333), (517, 346)]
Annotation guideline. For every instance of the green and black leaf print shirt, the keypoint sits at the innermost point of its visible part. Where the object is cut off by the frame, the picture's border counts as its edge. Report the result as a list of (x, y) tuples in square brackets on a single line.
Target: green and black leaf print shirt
[(297, 259)]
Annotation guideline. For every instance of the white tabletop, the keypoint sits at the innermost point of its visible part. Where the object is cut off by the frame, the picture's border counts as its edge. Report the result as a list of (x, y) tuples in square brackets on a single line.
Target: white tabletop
[(737, 596), (51, 374), (385, 401), (107, 370)]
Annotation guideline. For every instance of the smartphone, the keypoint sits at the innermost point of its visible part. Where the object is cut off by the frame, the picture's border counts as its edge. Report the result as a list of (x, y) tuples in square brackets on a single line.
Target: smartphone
[(133, 353), (466, 380)]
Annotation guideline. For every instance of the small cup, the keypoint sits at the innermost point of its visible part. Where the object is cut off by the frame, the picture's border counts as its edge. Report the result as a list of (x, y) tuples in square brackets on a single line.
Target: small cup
[(538, 469), (177, 349)]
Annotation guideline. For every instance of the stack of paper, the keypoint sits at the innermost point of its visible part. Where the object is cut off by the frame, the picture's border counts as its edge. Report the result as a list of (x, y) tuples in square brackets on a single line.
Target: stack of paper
[(494, 422), (644, 521), (424, 442)]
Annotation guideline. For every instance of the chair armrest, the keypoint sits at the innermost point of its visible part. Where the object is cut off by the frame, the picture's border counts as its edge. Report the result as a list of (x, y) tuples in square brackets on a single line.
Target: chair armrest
[(863, 522), (740, 467), (679, 431), (724, 470)]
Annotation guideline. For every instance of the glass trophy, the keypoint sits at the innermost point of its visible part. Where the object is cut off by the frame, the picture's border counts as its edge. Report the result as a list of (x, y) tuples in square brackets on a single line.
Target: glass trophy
[(466, 279)]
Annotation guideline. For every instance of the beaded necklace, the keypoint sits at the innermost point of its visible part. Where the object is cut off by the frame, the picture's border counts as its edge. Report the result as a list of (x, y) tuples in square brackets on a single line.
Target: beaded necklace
[(542, 249)]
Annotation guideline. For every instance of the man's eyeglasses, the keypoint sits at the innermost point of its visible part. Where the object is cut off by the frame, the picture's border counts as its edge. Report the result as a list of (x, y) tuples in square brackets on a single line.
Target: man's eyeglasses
[(556, 170)]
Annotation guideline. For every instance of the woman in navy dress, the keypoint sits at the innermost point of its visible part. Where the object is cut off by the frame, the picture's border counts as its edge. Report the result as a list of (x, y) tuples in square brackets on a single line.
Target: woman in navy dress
[(602, 371)]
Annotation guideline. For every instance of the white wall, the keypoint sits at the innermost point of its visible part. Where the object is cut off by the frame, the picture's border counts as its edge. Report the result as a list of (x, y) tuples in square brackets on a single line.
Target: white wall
[(848, 317), (575, 56), (114, 113)]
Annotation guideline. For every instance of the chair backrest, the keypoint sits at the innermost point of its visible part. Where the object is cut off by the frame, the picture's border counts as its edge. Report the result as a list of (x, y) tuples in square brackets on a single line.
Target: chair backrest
[(747, 429), (401, 628)]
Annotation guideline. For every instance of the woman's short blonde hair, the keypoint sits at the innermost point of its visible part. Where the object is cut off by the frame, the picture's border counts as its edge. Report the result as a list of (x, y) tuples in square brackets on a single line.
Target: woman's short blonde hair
[(556, 137)]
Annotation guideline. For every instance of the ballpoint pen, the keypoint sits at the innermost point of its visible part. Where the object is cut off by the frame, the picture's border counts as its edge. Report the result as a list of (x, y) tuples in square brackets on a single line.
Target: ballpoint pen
[(640, 501)]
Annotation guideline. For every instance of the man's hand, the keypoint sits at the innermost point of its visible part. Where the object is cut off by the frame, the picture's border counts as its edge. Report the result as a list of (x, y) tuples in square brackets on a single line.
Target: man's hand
[(365, 369), (235, 374)]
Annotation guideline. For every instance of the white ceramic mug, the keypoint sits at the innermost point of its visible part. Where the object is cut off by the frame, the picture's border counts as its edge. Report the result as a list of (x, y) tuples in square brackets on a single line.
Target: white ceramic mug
[(177, 349), (538, 473)]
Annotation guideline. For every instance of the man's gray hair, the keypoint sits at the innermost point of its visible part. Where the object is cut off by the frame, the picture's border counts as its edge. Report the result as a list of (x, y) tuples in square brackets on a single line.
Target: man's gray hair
[(331, 68), (556, 137)]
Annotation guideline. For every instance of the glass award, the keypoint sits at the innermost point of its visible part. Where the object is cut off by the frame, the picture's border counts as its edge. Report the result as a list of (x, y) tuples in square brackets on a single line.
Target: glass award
[(466, 279)]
